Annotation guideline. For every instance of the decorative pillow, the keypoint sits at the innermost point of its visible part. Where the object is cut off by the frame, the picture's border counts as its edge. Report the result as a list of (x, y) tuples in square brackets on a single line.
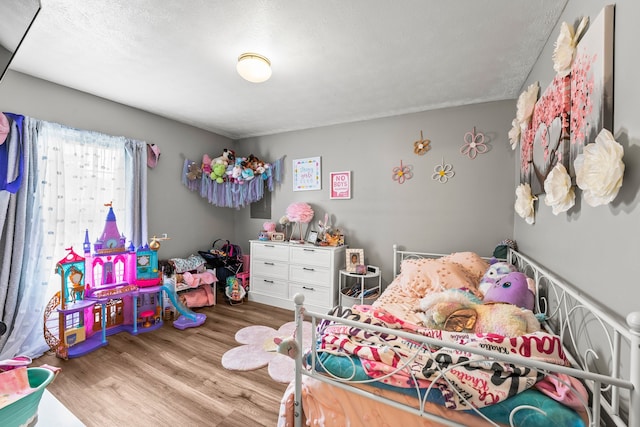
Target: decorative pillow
[(422, 276), (193, 262)]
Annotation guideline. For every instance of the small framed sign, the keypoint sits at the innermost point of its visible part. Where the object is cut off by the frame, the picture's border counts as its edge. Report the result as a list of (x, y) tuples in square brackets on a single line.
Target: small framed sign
[(340, 185), (307, 174), (312, 237)]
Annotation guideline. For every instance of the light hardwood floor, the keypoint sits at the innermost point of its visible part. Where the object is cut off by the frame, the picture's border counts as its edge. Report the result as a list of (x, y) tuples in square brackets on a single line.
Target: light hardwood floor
[(171, 377)]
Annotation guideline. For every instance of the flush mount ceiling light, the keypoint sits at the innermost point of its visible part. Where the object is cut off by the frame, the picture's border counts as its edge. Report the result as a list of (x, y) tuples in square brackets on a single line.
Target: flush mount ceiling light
[(253, 67)]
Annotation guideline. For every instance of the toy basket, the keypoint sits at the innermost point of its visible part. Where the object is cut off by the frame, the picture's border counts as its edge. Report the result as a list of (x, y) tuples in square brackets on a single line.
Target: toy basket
[(24, 411)]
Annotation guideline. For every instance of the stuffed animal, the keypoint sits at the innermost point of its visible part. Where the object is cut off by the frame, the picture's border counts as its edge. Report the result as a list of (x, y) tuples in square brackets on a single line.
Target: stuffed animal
[(457, 310), (269, 227), (218, 172), (247, 174), (206, 164), (514, 288), (496, 270), (287, 346), (194, 172), (227, 158)]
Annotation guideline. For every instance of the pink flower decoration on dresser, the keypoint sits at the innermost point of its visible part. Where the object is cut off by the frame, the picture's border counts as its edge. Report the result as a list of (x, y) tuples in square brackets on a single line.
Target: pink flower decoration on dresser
[(300, 212)]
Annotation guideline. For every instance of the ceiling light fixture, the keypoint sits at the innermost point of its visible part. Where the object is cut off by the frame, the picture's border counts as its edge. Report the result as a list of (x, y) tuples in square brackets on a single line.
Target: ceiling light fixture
[(253, 67)]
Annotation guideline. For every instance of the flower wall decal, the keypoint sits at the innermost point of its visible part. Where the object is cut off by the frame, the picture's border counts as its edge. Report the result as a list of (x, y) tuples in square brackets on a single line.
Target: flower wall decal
[(524, 111), (421, 146), (599, 169), (402, 173), (473, 144), (559, 192), (524, 203), (565, 46), (443, 172)]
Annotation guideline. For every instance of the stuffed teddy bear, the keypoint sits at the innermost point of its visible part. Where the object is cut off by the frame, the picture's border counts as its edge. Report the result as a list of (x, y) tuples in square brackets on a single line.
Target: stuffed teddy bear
[(194, 172), (218, 172), (497, 269), (458, 310)]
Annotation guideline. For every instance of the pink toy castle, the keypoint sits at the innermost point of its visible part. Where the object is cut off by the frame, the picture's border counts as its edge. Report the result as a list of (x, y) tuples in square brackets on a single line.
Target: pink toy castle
[(110, 290)]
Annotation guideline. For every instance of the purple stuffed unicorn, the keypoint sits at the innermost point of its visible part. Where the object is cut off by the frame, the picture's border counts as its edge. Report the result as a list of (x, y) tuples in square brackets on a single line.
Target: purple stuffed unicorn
[(513, 288)]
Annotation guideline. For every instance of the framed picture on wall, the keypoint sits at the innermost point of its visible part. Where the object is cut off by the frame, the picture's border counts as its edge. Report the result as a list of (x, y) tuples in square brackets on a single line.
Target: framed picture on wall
[(307, 174), (340, 185), (355, 257)]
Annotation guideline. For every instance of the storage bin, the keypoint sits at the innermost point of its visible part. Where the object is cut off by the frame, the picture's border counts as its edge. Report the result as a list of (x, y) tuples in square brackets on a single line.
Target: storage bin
[(348, 301), (25, 410)]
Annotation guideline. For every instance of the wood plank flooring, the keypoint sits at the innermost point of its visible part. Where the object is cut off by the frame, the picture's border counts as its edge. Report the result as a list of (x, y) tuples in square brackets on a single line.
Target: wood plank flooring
[(171, 377)]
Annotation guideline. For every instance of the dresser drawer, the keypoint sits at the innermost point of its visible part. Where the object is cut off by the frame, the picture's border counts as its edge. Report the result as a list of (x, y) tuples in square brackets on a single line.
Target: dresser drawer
[(270, 251), (268, 286), (311, 256), (313, 295), (310, 275), (274, 269)]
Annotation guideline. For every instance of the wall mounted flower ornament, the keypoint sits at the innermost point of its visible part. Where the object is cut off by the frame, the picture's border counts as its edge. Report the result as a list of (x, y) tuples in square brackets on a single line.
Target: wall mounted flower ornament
[(473, 144), (443, 172), (565, 46), (421, 146), (559, 192), (524, 203), (599, 169), (524, 111), (402, 173)]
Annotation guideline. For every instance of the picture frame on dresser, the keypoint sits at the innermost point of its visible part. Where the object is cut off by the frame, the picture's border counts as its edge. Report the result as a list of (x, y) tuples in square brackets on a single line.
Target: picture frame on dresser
[(312, 237), (277, 237), (354, 257)]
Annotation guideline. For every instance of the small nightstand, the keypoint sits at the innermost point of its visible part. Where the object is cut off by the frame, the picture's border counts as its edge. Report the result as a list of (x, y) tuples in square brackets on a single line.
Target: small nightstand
[(367, 293)]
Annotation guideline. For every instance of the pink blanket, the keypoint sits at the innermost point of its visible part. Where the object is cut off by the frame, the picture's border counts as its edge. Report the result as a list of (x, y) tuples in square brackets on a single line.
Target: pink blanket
[(479, 381)]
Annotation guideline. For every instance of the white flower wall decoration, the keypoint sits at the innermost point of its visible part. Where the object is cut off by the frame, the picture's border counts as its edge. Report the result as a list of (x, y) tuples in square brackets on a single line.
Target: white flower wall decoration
[(599, 169), (524, 111), (524, 203), (565, 47), (559, 192)]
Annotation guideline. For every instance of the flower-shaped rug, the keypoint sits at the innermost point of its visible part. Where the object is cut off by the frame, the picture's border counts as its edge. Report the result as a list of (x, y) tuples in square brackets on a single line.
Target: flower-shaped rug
[(260, 350)]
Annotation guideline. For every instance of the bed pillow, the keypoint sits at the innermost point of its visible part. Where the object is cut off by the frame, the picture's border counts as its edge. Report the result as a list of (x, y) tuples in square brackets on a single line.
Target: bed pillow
[(474, 264), (422, 276)]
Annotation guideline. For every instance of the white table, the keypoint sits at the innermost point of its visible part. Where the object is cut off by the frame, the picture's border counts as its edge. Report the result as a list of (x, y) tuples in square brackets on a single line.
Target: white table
[(344, 274)]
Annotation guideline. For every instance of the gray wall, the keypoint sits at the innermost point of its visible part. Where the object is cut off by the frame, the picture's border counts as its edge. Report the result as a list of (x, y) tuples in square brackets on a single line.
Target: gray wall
[(189, 220), (473, 211), (597, 249)]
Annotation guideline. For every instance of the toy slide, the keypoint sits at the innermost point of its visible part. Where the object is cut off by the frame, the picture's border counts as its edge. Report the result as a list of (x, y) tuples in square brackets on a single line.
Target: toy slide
[(188, 318)]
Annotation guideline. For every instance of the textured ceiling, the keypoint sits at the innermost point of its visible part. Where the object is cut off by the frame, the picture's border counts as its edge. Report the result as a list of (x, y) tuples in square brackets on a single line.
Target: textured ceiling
[(334, 61)]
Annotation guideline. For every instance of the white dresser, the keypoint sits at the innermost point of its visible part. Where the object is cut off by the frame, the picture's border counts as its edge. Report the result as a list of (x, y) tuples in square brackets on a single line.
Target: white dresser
[(280, 270)]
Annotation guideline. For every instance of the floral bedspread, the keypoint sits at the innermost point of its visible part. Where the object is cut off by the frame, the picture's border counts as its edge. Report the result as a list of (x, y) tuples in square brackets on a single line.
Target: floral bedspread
[(478, 381)]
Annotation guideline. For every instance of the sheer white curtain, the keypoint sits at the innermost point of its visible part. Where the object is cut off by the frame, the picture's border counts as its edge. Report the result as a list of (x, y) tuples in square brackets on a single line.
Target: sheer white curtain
[(77, 173)]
